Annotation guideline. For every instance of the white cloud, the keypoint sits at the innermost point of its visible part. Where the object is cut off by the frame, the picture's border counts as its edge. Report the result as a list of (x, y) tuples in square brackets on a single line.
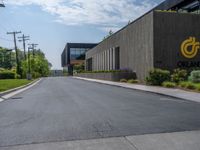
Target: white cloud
[(103, 13)]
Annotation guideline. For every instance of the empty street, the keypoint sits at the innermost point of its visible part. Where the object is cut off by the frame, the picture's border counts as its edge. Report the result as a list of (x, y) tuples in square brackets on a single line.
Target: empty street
[(66, 109)]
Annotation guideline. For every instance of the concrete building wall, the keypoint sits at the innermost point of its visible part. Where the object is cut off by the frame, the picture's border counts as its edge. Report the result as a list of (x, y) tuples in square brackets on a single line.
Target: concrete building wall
[(136, 48), (152, 41), (170, 31)]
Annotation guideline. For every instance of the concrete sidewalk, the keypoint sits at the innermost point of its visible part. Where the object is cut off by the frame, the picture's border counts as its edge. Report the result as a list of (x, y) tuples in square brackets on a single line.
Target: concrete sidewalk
[(167, 141), (177, 93)]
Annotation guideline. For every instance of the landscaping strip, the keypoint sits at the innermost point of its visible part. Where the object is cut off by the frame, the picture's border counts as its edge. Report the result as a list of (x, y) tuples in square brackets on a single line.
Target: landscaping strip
[(8, 84), (16, 85)]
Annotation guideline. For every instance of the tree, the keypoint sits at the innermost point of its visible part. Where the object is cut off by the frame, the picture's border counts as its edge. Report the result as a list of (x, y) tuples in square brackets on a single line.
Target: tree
[(109, 34), (7, 58), (79, 68), (39, 65)]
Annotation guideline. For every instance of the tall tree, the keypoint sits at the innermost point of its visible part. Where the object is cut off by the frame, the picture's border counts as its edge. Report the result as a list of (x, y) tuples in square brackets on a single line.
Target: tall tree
[(7, 58), (39, 65)]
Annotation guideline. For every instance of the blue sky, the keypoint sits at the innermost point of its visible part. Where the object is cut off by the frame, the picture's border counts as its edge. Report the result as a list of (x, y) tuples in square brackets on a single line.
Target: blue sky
[(53, 23)]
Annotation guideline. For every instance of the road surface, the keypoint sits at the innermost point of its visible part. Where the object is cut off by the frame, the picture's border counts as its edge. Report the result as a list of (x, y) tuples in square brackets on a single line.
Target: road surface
[(65, 109)]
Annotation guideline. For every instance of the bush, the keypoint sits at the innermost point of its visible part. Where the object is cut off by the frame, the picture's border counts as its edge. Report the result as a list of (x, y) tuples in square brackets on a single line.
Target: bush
[(105, 71), (123, 80), (195, 76), (17, 76), (158, 76), (183, 84), (7, 74), (198, 88), (179, 75), (36, 75), (169, 84), (133, 81), (79, 68), (190, 86)]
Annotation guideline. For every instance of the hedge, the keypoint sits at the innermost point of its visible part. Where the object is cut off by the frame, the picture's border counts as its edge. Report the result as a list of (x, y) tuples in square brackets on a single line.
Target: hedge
[(158, 76), (7, 74)]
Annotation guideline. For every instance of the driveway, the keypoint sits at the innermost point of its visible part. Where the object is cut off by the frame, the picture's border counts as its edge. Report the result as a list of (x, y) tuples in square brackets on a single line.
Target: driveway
[(65, 109)]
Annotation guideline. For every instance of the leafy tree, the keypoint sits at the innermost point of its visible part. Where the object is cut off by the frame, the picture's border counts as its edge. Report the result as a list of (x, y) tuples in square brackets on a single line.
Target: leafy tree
[(7, 58), (109, 34), (79, 68), (40, 67)]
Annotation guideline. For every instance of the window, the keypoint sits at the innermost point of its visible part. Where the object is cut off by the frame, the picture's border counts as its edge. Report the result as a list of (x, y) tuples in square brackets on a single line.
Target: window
[(77, 53), (117, 58)]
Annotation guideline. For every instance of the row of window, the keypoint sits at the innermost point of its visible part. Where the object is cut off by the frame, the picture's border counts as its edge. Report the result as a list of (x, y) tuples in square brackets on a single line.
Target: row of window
[(77, 53)]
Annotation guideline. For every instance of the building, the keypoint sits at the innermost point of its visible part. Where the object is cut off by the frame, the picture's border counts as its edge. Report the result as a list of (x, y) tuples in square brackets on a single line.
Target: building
[(74, 54), (167, 37)]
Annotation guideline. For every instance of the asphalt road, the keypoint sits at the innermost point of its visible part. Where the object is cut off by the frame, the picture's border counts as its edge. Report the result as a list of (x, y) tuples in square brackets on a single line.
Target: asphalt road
[(61, 109)]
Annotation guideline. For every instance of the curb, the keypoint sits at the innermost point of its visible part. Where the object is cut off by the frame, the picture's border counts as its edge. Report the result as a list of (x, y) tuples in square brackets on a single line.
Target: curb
[(9, 93), (142, 90)]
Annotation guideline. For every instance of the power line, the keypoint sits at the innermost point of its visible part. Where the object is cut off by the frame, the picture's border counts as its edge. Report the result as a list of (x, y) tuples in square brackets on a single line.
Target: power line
[(29, 64), (23, 39), (3, 27), (5, 39), (11, 25), (33, 46)]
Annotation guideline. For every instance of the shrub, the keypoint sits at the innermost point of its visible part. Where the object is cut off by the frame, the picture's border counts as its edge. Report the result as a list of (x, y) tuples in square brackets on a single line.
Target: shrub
[(7, 74), (195, 76), (17, 76), (198, 88), (169, 84), (36, 75), (79, 68), (158, 76), (133, 81), (123, 80), (105, 71), (183, 84), (179, 75), (190, 86)]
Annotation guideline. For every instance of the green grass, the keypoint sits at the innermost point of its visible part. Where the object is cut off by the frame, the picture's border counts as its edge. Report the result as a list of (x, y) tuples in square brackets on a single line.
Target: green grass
[(12, 83)]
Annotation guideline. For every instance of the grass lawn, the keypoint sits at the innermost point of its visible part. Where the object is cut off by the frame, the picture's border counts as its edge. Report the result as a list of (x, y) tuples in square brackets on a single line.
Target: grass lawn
[(12, 83)]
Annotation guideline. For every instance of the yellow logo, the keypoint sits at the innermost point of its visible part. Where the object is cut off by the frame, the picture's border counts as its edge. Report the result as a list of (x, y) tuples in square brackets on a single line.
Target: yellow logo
[(190, 47)]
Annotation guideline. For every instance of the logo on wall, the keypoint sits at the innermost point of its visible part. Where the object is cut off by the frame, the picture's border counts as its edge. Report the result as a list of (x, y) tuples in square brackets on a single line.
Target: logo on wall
[(190, 48)]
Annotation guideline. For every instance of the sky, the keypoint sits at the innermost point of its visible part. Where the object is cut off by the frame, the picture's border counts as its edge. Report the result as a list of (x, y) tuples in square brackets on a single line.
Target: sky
[(53, 23)]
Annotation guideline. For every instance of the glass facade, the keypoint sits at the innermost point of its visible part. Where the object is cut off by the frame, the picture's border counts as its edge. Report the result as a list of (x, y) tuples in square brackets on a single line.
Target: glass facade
[(77, 53)]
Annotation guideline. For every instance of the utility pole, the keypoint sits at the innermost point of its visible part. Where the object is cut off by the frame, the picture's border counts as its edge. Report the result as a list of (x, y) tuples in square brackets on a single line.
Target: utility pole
[(33, 46), (16, 51), (29, 76), (23, 39)]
